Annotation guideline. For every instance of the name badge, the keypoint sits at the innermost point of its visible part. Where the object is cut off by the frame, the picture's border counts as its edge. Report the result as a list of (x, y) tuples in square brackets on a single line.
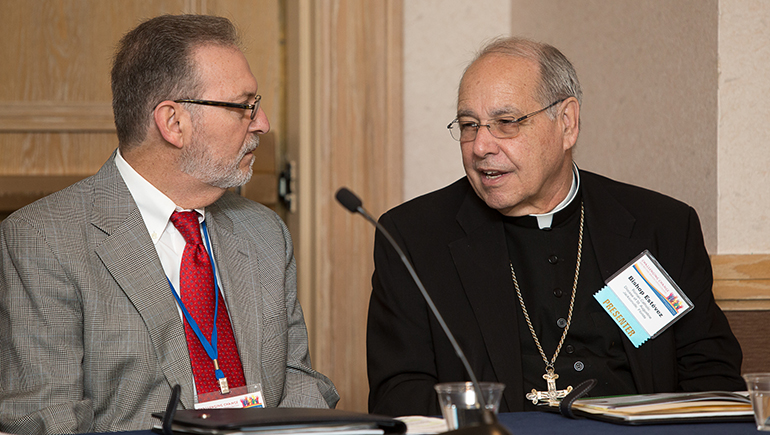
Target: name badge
[(642, 299), (241, 397)]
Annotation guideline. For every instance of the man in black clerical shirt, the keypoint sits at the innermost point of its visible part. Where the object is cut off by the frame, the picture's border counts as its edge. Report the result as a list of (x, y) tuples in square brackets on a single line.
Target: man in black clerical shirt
[(513, 253)]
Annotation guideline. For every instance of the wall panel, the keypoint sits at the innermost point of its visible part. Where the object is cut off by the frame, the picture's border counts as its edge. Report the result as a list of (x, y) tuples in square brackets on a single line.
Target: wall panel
[(55, 100), (345, 126)]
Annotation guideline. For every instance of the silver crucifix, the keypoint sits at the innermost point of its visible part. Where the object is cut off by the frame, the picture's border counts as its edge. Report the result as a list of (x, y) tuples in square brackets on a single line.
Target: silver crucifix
[(552, 395)]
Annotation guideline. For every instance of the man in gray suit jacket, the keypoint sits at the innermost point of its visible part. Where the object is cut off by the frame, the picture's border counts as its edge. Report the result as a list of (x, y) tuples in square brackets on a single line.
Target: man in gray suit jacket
[(92, 337)]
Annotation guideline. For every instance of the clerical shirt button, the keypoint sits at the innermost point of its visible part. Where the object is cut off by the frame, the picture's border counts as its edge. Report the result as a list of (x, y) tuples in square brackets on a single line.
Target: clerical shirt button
[(579, 366), (569, 348), (553, 259), (561, 323), (557, 292)]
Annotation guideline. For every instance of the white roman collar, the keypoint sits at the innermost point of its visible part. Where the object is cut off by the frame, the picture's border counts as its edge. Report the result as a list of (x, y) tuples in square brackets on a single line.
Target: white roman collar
[(545, 220)]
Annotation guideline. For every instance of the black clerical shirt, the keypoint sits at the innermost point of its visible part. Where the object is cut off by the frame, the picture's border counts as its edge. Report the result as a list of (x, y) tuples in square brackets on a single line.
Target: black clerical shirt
[(544, 262)]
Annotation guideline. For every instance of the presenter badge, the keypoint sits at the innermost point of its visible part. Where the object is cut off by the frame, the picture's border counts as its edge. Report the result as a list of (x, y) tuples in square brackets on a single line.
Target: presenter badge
[(642, 299)]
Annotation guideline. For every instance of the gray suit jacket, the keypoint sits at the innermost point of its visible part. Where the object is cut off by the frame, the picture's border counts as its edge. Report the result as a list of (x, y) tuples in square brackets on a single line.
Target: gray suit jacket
[(90, 336)]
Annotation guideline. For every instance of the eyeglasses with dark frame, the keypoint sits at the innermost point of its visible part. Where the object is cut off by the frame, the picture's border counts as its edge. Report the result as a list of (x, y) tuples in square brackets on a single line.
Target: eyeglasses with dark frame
[(253, 107), (502, 128)]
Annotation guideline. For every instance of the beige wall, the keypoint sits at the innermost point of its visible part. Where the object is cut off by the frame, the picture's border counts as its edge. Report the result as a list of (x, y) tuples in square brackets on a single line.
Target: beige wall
[(649, 72), (658, 111), (440, 37), (744, 137)]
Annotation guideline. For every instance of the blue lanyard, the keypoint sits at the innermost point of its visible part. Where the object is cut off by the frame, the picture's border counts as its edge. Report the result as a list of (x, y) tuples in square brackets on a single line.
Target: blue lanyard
[(211, 348)]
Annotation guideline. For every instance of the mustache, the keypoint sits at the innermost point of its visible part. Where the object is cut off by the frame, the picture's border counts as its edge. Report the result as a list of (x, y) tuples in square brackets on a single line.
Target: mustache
[(251, 144)]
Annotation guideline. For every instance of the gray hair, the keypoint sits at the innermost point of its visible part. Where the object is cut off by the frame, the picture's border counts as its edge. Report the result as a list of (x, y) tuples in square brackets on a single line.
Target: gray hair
[(155, 62), (558, 78)]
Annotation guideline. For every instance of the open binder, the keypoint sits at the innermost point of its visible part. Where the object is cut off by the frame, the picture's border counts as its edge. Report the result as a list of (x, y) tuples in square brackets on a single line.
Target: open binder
[(658, 408), (667, 408)]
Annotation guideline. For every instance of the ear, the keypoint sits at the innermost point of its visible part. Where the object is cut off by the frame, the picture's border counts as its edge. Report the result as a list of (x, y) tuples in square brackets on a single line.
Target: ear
[(172, 122), (570, 120)]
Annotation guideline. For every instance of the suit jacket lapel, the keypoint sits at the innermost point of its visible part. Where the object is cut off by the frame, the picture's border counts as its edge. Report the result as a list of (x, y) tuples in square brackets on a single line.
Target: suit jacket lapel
[(130, 257), (610, 227), (237, 267), (481, 259)]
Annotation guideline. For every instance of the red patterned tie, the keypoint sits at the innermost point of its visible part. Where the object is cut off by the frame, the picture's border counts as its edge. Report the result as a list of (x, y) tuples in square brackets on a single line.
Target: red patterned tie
[(196, 286)]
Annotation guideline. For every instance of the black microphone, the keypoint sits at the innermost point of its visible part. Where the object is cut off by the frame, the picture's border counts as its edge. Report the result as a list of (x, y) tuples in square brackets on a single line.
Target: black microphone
[(490, 425)]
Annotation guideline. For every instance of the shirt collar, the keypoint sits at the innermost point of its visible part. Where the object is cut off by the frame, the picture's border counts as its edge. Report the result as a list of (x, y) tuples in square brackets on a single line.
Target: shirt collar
[(156, 208), (545, 220)]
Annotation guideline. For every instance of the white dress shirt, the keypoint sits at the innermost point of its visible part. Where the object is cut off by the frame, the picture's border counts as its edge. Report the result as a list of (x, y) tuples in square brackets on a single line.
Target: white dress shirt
[(156, 209)]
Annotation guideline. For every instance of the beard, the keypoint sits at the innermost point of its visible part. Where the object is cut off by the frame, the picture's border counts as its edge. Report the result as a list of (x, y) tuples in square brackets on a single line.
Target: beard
[(196, 162)]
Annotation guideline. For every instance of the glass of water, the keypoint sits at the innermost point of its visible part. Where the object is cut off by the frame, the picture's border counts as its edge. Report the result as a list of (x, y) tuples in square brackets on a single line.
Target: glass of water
[(758, 385)]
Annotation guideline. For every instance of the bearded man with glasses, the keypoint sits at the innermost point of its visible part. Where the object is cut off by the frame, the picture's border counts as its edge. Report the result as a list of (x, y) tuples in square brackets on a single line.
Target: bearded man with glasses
[(151, 274), (513, 253)]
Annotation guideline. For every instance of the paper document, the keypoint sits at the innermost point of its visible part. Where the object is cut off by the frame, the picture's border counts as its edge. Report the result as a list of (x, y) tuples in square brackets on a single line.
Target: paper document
[(669, 407), (419, 425)]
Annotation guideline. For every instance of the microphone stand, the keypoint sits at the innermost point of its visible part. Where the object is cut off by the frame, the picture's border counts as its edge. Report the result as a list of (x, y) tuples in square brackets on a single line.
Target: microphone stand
[(490, 425)]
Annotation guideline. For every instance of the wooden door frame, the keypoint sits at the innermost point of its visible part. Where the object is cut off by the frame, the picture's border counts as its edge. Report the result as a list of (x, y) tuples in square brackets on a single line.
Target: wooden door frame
[(344, 128)]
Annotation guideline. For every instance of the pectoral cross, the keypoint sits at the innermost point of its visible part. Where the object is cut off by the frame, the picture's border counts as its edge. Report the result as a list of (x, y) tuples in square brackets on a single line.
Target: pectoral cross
[(552, 394)]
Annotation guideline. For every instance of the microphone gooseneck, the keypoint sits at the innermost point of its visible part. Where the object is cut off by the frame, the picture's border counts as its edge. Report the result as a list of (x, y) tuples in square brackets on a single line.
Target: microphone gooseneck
[(350, 201)]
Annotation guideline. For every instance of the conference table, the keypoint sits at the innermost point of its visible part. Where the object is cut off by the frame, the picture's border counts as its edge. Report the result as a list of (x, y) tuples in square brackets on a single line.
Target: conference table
[(528, 423)]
